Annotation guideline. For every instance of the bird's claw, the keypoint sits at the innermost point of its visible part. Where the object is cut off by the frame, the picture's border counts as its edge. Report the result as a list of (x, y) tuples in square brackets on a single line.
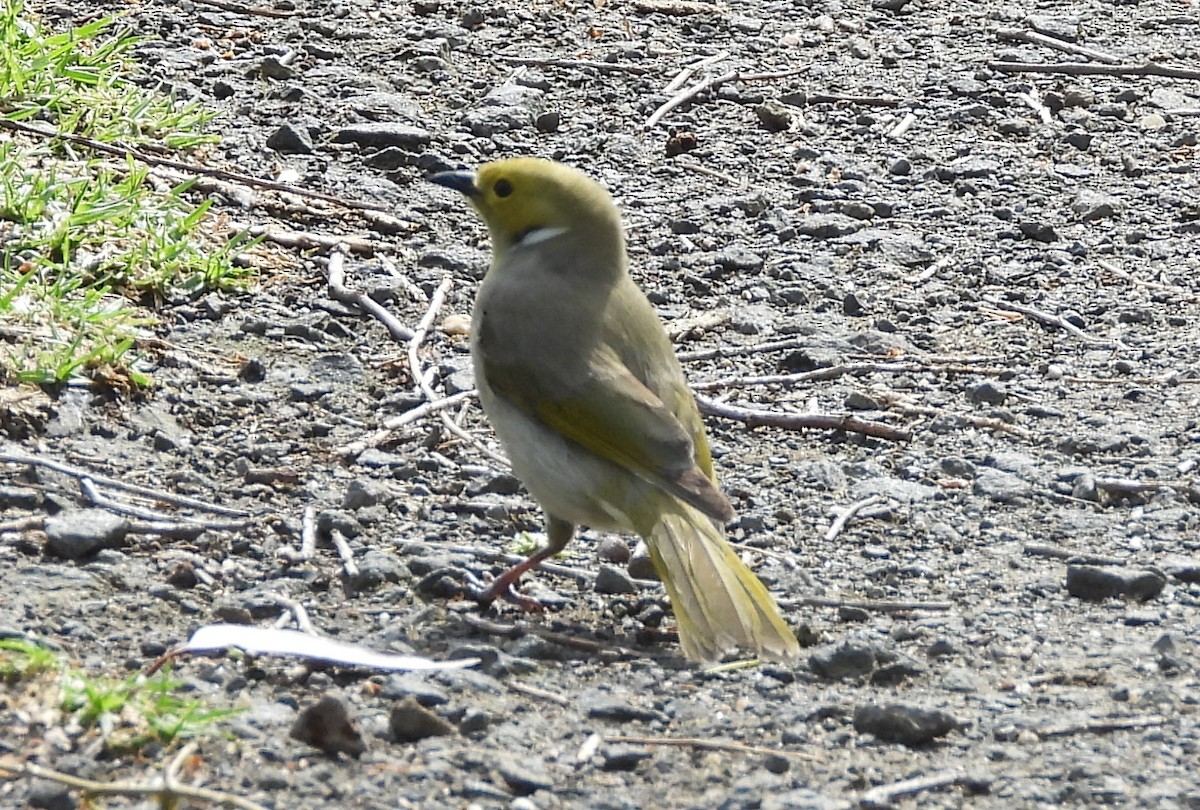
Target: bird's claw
[(500, 589)]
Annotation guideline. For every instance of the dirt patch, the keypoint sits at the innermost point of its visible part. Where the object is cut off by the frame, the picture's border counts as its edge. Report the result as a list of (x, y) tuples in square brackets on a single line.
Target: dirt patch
[(1010, 274)]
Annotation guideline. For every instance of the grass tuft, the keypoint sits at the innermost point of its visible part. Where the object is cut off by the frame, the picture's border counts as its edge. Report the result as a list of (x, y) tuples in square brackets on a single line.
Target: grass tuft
[(86, 238), (135, 711)]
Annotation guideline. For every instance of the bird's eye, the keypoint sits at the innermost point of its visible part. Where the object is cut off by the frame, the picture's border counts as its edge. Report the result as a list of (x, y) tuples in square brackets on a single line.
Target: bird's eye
[(502, 188)]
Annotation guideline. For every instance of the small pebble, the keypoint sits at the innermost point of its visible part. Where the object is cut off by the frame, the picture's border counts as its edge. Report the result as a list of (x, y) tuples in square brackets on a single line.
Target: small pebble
[(326, 726), (903, 724), (410, 722), (612, 580)]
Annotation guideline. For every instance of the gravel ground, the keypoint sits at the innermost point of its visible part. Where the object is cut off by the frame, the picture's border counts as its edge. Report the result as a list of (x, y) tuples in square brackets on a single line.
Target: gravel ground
[(999, 265)]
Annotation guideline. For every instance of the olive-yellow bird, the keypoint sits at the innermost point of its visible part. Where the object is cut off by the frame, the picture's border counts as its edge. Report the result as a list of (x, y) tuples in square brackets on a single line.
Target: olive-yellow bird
[(579, 380)]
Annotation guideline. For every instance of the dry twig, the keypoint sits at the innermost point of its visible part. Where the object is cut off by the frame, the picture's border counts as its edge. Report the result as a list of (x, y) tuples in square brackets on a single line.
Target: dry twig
[(299, 613), (519, 629), (884, 796), (414, 368), (690, 70), (847, 514), (391, 424), (167, 792), (537, 692), (303, 240), (344, 552), (872, 605), (1035, 38), (1054, 320), (167, 525), (754, 417), (238, 8), (308, 539), (1056, 553), (840, 370), (1141, 282), (190, 168), (1086, 69), (902, 127), (115, 483), (338, 291), (900, 403), (1035, 104), (836, 98), (1104, 726)]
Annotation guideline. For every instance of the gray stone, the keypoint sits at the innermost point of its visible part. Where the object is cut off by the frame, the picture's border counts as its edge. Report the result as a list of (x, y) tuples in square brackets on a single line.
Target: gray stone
[(1001, 487), (47, 795), (641, 566), (375, 568), (775, 117), (612, 580), (473, 721), (1038, 230), (290, 140), (828, 226), (908, 725), (623, 757), (380, 135), (74, 535), (1063, 28), (508, 107), (1184, 569), (601, 706), (401, 685), (987, 392), (1091, 206), (1095, 583), (525, 777), (846, 661)]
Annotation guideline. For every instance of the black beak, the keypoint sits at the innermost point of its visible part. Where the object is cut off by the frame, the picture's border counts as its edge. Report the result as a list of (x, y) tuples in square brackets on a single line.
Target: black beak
[(459, 181)]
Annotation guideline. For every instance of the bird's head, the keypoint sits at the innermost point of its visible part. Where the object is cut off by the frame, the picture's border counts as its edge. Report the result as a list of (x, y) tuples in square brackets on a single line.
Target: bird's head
[(526, 201)]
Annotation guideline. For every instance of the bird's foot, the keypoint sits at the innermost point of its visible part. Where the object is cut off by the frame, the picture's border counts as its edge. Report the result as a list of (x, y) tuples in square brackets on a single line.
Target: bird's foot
[(500, 588)]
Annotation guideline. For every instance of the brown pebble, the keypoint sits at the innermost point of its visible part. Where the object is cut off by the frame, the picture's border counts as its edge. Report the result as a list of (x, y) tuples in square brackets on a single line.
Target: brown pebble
[(326, 726), (410, 721), (456, 324)]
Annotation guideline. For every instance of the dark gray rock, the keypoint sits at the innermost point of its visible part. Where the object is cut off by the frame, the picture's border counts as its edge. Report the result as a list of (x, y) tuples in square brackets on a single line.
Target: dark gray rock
[(620, 757), (607, 707), (844, 662), (828, 226), (1096, 584), (401, 685), (290, 140), (1001, 487), (381, 135), (363, 492), (525, 777), (987, 392), (375, 568), (900, 723), (47, 795), (612, 580)]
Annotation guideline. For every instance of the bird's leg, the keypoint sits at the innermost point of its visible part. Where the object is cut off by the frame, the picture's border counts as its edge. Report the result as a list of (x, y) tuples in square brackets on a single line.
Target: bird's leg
[(558, 534)]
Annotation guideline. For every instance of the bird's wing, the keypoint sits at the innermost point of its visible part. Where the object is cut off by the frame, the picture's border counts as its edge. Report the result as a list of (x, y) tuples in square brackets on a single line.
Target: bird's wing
[(612, 414)]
